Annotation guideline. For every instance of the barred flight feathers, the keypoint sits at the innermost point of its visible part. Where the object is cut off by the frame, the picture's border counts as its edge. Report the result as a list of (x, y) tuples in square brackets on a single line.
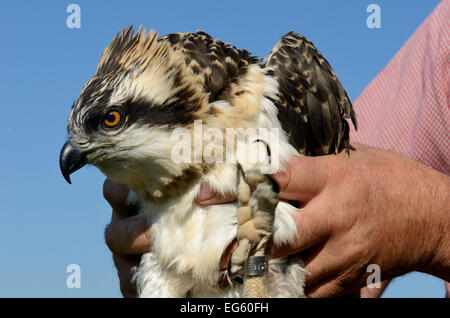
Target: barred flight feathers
[(312, 104)]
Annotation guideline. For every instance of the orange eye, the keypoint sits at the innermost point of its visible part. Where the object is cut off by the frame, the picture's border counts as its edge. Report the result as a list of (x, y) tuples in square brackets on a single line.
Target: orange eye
[(112, 119)]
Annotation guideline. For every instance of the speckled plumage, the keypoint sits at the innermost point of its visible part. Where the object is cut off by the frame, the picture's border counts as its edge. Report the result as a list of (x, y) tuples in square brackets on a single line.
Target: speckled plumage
[(162, 84), (312, 104)]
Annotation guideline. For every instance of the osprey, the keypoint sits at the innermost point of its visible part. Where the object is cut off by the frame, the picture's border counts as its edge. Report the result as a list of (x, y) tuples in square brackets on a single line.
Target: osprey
[(147, 88)]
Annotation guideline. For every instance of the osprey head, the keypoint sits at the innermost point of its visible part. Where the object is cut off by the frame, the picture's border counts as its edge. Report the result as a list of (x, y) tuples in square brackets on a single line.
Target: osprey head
[(122, 120)]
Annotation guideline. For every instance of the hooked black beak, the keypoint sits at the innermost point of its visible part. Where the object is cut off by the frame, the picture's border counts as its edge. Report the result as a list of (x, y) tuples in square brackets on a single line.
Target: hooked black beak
[(71, 159)]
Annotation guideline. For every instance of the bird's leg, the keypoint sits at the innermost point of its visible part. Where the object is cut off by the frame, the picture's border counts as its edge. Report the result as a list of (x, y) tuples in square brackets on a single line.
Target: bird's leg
[(257, 198), (246, 234)]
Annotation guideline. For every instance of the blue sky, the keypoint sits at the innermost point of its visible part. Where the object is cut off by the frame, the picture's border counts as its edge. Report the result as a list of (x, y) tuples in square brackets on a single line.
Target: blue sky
[(47, 224)]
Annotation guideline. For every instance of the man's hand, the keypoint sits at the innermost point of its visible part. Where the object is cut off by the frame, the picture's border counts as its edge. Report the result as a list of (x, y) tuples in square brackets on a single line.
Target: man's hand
[(375, 207), (126, 237)]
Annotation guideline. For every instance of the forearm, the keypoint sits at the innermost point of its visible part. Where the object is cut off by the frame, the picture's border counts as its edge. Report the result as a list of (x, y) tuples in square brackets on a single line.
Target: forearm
[(415, 200), (437, 207)]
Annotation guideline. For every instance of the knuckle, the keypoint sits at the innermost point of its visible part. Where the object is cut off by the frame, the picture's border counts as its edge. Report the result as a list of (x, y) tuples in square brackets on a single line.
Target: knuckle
[(114, 193), (109, 237), (107, 189)]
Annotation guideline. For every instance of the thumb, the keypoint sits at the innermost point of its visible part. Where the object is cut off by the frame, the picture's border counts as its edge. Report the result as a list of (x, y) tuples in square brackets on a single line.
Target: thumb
[(302, 179)]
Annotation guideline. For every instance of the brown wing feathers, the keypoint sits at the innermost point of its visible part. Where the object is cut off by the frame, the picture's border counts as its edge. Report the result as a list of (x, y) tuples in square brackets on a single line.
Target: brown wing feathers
[(312, 104), (219, 62)]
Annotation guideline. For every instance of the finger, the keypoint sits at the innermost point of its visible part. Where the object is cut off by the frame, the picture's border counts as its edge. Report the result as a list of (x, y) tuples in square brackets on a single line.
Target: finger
[(129, 236), (124, 265), (312, 228), (207, 197), (303, 178), (116, 195), (342, 278), (323, 264), (329, 288), (116, 216), (375, 292)]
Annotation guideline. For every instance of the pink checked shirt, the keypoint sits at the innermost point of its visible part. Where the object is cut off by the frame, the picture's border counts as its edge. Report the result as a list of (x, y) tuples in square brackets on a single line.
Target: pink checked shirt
[(406, 107)]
